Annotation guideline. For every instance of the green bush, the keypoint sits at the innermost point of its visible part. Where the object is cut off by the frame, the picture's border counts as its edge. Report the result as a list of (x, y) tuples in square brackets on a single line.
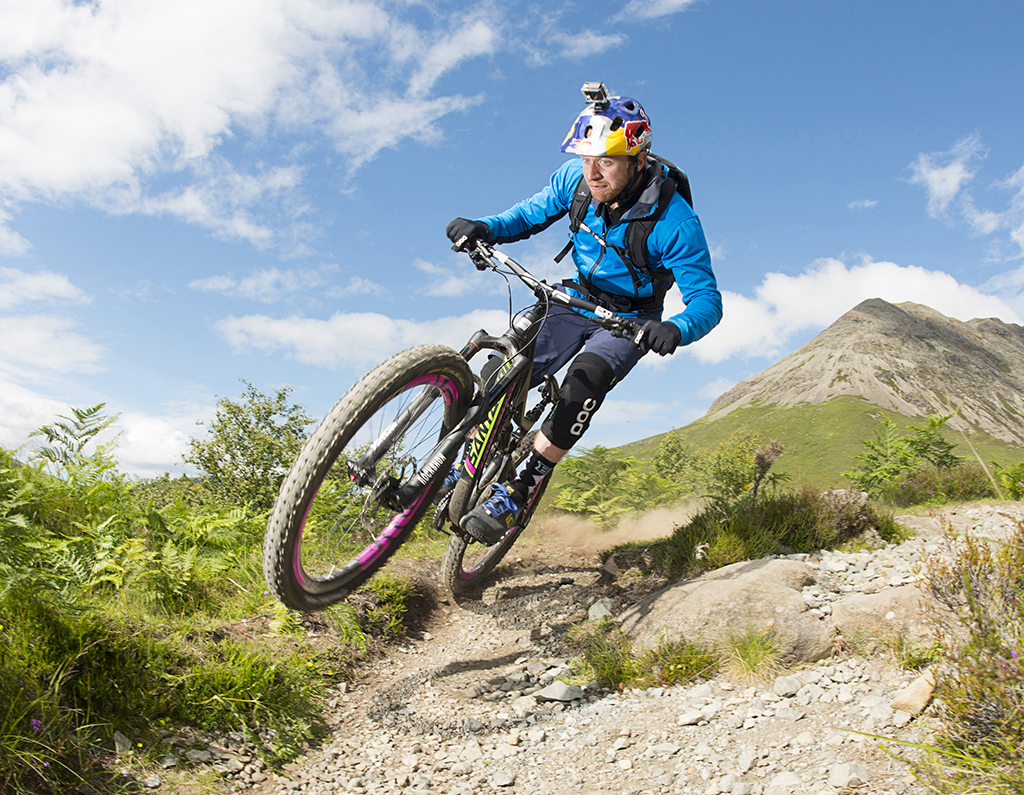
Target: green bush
[(1011, 481), (68, 681), (725, 473), (604, 655), (251, 445), (783, 521), (917, 468), (603, 485), (674, 662)]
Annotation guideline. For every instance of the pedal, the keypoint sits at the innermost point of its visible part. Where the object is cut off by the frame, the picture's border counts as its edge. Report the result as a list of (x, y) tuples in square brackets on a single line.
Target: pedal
[(548, 395)]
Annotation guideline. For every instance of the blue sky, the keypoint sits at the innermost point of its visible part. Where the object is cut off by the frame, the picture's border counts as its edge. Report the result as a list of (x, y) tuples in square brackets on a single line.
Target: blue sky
[(197, 192)]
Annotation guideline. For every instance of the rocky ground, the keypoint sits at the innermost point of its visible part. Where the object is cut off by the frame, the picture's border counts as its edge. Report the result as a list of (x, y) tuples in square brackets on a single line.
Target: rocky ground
[(474, 703)]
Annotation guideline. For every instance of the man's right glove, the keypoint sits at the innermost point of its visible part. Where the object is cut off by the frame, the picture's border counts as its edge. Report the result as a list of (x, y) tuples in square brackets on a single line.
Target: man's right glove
[(661, 337), (464, 234)]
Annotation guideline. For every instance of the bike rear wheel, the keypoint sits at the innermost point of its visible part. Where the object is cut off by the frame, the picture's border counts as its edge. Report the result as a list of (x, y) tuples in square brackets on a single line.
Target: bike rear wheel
[(467, 563), (330, 529)]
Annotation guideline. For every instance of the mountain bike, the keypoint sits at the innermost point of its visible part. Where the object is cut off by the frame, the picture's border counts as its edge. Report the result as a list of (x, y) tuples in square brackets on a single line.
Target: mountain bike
[(377, 463)]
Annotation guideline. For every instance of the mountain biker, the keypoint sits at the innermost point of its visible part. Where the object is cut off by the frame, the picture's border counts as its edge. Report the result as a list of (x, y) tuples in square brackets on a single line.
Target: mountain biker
[(612, 137)]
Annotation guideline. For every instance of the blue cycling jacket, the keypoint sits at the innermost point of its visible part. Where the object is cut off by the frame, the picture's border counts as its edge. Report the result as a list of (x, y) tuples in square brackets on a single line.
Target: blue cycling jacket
[(676, 243)]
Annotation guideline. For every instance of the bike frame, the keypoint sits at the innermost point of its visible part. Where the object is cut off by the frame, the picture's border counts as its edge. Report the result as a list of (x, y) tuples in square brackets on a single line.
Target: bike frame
[(508, 392)]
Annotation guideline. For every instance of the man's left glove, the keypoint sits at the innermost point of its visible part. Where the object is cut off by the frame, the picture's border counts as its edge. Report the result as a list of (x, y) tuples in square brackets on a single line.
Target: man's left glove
[(661, 337), (464, 234)]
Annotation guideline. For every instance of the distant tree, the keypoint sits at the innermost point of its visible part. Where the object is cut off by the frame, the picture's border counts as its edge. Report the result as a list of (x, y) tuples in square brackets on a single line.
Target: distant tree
[(887, 457), (250, 446), (927, 443), (674, 455)]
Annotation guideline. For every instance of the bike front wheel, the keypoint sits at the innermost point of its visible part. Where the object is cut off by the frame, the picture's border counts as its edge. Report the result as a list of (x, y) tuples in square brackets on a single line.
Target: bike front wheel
[(330, 528)]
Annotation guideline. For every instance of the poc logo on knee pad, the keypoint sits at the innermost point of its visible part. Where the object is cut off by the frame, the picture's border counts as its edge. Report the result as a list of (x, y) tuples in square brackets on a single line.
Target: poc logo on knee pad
[(583, 417)]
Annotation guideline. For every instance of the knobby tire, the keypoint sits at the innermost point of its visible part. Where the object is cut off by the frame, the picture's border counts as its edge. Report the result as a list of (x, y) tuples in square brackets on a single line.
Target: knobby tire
[(327, 534)]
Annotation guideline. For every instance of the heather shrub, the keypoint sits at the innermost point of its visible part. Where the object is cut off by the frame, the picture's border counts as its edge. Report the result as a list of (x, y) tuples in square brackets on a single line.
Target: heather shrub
[(963, 482), (980, 681)]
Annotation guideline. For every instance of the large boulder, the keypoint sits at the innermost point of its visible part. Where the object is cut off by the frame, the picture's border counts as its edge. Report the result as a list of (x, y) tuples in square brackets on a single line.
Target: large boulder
[(758, 595), (905, 614)]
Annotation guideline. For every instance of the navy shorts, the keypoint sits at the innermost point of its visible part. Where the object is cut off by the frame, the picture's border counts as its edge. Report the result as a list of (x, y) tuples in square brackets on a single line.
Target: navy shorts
[(565, 333)]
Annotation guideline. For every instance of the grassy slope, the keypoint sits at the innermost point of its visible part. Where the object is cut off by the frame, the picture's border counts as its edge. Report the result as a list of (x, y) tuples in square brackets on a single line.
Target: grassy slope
[(820, 439)]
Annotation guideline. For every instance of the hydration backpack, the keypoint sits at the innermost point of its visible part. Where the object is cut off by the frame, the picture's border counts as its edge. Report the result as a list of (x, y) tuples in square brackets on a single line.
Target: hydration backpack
[(635, 252)]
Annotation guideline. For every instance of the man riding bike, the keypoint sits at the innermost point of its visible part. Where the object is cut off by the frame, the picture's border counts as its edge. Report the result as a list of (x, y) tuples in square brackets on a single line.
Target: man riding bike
[(612, 137)]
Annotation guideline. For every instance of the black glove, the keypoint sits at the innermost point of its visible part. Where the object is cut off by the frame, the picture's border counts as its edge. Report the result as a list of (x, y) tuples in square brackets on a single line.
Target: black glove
[(464, 234), (661, 337)]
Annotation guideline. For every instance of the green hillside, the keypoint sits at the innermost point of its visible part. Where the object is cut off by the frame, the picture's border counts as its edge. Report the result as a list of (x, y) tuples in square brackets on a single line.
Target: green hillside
[(820, 439)]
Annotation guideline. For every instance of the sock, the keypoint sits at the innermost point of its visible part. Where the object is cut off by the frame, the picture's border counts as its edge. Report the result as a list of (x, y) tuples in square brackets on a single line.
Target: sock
[(531, 476)]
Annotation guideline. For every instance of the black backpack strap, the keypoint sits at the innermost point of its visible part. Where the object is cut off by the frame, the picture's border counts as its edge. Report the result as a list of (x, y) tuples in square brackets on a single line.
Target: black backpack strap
[(577, 212), (622, 304), (639, 230), (682, 181)]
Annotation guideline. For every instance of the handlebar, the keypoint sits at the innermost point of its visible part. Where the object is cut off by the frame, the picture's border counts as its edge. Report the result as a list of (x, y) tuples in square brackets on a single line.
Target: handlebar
[(483, 256)]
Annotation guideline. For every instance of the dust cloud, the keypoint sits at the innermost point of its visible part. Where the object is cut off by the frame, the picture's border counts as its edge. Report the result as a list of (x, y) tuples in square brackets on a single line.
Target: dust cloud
[(575, 531)]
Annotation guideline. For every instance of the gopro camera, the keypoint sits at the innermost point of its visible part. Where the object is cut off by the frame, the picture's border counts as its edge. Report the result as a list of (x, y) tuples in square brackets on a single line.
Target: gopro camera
[(596, 93)]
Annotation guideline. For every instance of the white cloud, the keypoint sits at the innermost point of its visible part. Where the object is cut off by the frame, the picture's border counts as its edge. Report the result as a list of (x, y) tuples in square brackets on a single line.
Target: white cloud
[(357, 285), (943, 174), (472, 39), (784, 306), (586, 43), (273, 284), (22, 410), (651, 9), (11, 243), (47, 342), (460, 278), (147, 445), (267, 285), (457, 276), (18, 287), (356, 340), (103, 102), (715, 388), (862, 204), (150, 445)]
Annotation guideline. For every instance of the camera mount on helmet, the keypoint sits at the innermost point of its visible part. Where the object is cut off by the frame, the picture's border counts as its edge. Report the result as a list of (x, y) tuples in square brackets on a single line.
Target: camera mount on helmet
[(596, 94)]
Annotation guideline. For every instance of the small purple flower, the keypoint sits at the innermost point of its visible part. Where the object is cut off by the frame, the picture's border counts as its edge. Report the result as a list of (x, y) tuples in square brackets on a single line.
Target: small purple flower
[(37, 725)]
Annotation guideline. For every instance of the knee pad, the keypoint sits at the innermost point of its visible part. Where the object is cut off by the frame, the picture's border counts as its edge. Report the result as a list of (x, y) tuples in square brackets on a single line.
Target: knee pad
[(586, 383)]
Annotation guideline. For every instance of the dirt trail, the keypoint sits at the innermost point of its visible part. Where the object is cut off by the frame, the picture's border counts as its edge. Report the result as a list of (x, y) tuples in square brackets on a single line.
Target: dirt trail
[(432, 717)]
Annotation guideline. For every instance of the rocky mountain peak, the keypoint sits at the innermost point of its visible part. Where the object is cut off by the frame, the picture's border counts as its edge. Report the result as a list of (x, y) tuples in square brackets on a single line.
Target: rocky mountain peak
[(907, 358)]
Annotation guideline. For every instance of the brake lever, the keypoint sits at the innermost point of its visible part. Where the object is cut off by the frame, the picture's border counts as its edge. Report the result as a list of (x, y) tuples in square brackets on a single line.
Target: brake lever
[(634, 333), (479, 256)]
